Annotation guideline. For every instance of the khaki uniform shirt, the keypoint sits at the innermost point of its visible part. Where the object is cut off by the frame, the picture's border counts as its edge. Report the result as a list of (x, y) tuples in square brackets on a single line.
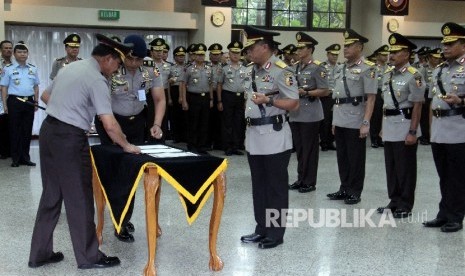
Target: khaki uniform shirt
[(177, 73), (58, 64), (198, 78), (125, 89), (361, 80), (330, 70), (309, 76), (409, 87), (448, 130), (274, 75), (164, 68), (233, 78)]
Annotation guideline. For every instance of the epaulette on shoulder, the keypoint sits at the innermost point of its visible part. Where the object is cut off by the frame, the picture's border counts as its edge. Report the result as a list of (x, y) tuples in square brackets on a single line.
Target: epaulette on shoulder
[(369, 63), (281, 64), (317, 62), (60, 59), (388, 69), (9, 64), (32, 65), (149, 63), (440, 65), (412, 70), (324, 63), (250, 64)]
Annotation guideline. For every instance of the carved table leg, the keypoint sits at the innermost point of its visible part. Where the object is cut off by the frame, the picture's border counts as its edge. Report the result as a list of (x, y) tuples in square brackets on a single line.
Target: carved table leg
[(157, 204), (151, 185), (100, 204), (219, 185)]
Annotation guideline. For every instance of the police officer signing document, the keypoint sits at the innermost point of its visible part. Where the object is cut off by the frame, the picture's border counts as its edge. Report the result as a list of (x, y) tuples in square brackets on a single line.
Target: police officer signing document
[(448, 129), (271, 91), (79, 92)]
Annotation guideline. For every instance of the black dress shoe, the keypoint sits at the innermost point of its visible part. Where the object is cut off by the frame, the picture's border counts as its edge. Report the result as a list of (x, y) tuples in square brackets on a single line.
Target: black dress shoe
[(331, 146), (104, 262), (380, 143), (374, 145), (451, 227), (401, 213), (124, 235), (435, 222), (324, 148), (130, 227), (14, 165), (55, 258), (252, 238), (380, 210), (337, 195), (267, 243), (237, 152), (27, 163), (295, 186), (352, 199), (306, 189)]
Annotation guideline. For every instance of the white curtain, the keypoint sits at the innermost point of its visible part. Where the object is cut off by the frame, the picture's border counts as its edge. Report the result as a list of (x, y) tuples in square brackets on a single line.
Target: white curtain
[(46, 44)]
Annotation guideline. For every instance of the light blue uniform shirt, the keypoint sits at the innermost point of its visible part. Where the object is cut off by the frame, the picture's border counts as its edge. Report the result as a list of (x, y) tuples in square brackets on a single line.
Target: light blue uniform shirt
[(20, 79)]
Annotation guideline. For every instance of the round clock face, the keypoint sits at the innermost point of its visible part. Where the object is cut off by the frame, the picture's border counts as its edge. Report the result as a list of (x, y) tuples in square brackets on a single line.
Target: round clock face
[(217, 18), (393, 25)]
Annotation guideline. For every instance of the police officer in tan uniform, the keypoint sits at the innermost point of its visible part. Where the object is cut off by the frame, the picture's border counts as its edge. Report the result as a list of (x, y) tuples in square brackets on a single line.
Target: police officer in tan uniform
[(381, 58), (178, 118), (72, 43), (327, 102), (198, 99), (448, 129), (354, 95), (403, 89), (6, 48), (305, 121), (271, 91), (215, 129), (230, 93), (288, 54)]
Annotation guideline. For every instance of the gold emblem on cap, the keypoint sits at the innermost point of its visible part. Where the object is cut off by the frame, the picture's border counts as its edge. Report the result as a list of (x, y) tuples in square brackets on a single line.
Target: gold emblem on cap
[(336, 47), (200, 47), (216, 47), (236, 44), (386, 48), (446, 30), (159, 43), (298, 37), (75, 38), (346, 34), (392, 41), (181, 49)]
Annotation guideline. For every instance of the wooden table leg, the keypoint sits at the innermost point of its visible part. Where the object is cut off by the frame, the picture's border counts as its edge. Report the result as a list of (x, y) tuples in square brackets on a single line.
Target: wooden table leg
[(100, 204), (219, 185), (157, 205), (151, 185)]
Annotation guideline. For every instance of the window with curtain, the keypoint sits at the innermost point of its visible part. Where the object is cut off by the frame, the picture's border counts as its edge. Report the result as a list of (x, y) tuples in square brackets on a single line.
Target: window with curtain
[(331, 15), (46, 44)]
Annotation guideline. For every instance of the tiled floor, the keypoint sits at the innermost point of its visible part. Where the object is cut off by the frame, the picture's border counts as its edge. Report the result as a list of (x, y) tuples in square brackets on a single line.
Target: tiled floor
[(407, 249)]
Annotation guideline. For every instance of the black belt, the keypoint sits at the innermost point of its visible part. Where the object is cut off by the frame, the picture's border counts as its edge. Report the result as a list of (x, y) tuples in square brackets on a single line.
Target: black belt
[(237, 93), (357, 99), (54, 121), (407, 112), (22, 97), (448, 112), (201, 94), (276, 120), (127, 118)]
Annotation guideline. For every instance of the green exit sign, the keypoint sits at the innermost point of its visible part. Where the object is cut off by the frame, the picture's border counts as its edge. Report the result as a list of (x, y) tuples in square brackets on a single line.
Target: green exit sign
[(108, 15)]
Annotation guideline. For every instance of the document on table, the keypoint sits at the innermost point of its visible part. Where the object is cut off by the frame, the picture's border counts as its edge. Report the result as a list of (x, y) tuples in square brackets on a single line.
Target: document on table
[(163, 151)]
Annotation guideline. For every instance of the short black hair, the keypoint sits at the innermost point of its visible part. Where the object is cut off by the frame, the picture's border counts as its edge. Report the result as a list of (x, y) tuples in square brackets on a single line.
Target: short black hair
[(20, 46), (271, 44), (4, 42), (102, 50)]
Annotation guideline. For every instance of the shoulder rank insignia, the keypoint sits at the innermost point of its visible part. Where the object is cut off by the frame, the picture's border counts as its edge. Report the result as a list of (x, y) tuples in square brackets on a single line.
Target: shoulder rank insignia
[(250, 64), (412, 70), (389, 69), (8, 65), (281, 64), (60, 59), (32, 65), (318, 62), (149, 63), (369, 63)]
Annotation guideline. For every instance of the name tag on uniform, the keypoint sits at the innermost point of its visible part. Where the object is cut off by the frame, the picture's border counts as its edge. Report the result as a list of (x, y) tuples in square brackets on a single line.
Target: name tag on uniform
[(141, 95)]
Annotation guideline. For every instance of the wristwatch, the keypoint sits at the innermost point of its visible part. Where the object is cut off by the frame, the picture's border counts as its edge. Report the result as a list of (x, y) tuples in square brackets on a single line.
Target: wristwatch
[(365, 123), (412, 132), (270, 102)]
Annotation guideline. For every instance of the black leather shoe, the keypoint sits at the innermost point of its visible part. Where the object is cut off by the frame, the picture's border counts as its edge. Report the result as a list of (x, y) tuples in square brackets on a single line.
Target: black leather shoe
[(55, 258), (295, 186), (14, 165), (435, 222), (27, 163), (306, 189), (124, 235), (451, 227), (104, 262), (331, 146), (374, 145), (352, 199), (337, 195), (267, 243), (380, 210), (401, 213), (252, 238), (130, 227), (237, 152), (324, 148), (380, 143)]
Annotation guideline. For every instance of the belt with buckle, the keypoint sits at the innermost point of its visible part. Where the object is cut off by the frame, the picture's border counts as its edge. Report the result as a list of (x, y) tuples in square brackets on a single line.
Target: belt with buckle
[(202, 94), (350, 100), (21, 97), (276, 119), (128, 118), (407, 112), (448, 112), (237, 93)]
